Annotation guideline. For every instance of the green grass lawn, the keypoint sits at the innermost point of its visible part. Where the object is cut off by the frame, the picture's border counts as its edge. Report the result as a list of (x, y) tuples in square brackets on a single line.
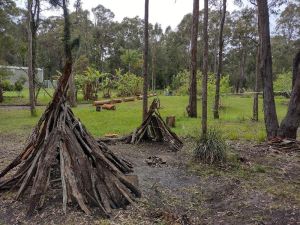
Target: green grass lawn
[(22, 98), (235, 118)]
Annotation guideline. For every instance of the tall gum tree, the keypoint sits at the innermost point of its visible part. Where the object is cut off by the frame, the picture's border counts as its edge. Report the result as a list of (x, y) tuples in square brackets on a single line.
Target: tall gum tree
[(289, 125), (265, 69), (145, 63), (205, 69), (220, 65), (192, 108), (33, 18)]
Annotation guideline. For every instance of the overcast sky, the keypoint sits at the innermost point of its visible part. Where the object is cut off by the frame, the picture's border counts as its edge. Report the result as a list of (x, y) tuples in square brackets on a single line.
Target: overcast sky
[(164, 12)]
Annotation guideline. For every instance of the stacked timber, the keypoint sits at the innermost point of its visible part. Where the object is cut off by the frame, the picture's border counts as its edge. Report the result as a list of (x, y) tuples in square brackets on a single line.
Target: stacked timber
[(155, 129)]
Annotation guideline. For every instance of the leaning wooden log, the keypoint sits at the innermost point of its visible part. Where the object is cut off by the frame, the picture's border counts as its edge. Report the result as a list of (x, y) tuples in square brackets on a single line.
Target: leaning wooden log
[(96, 103), (129, 99), (140, 97), (109, 107), (155, 129), (114, 140), (60, 148)]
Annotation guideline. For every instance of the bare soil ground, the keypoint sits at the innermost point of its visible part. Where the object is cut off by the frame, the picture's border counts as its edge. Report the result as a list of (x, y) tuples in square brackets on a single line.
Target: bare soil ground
[(257, 185)]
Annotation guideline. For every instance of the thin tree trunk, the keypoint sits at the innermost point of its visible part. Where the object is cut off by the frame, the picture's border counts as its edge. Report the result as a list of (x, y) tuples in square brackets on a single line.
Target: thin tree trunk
[(289, 125), (242, 71), (72, 91), (145, 65), (193, 79), (271, 121), (30, 59), (153, 67), (220, 66), (256, 88), (1, 93), (205, 70)]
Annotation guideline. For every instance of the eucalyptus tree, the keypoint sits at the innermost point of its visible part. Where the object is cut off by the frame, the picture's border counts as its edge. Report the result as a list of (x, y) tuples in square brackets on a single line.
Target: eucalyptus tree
[(145, 58), (220, 61), (102, 34), (244, 40), (205, 70), (192, 107), (33, 11), (156, 37)]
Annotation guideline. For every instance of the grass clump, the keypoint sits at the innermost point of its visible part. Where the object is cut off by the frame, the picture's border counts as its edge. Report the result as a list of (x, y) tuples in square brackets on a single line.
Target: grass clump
[(212, 148)]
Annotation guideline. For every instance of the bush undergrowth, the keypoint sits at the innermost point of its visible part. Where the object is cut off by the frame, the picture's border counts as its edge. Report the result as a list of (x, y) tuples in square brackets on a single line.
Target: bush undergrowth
[(212, 148)]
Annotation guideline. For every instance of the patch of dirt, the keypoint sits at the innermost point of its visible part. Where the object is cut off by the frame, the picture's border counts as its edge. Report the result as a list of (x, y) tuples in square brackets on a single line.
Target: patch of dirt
[(258, 186)]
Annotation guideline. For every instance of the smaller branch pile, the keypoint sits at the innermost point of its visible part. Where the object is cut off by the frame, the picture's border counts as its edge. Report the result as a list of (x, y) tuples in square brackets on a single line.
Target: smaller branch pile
[(155, 129)]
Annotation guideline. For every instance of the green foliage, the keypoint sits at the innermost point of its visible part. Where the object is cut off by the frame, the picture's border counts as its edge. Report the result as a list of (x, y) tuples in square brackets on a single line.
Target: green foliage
[(88, 82), (7, 85), (283, 82), (129, 84), (132, 59), (212, 148), (180, 83), (19, 84), (4, 74), (107, 83)]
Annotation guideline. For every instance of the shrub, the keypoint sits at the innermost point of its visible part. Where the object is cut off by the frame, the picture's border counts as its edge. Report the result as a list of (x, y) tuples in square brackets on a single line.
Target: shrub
[(212, 148), (7, 85), (88, 82), (19, 84), (129, 84), (180, 84), (283, 82)]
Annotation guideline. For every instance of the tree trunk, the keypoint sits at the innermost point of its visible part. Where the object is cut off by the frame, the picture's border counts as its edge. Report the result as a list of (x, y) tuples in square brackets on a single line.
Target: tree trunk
[(1, 93), (242, 71), (220, 66), (145, 64), (205, 70), (154, 67), (295, 68), (72, 91), (31, 66), (289, 125), (266, 74), (193, 79), (256, 88)]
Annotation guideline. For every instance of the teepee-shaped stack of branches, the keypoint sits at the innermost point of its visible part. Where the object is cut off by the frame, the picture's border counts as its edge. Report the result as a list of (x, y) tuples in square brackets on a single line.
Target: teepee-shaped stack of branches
[(155, 129), (61, 150)]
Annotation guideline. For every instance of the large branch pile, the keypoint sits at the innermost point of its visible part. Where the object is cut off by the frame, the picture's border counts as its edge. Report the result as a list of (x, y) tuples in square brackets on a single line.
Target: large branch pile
[(61, 149), (155, 129)]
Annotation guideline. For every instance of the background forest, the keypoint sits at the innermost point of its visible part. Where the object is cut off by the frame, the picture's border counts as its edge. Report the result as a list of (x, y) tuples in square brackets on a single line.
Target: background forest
[(115, 48)]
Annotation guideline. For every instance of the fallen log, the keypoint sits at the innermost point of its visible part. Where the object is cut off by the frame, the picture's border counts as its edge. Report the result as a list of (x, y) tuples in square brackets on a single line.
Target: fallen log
[(129, 99), (109, 107), (102, 102), (117, 100)]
